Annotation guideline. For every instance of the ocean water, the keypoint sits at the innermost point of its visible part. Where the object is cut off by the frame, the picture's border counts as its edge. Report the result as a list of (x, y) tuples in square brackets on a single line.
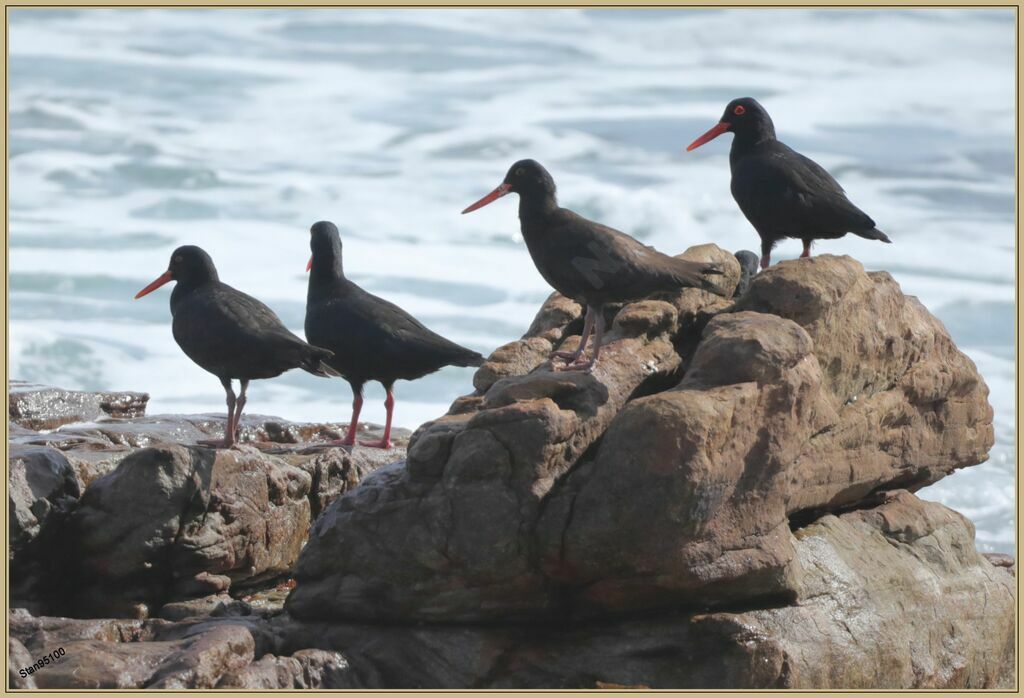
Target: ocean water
[(134, 131)]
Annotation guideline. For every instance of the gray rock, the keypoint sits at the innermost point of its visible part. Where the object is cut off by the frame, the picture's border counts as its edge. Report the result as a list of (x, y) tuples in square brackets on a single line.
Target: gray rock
[(39, 480), (42, 407), (18, 660)]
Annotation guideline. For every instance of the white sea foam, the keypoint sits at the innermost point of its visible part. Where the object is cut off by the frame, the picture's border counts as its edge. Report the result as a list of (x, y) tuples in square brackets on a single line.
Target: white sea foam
[(134, 131)]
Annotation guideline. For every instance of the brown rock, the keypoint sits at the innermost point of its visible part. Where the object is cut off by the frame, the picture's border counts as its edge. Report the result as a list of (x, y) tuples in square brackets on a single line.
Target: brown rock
[(762, 430), (713, 254), (549, 328), (574, 495), (890, 597), (894, 596), (170, 520), (304, 669), (151, 654), (1003, 561), (450, 537), (176, 523)]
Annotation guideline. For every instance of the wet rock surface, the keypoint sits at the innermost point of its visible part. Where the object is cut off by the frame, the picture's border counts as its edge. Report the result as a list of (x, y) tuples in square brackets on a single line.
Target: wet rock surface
[(36, 406), (726, 502), (121, 516)]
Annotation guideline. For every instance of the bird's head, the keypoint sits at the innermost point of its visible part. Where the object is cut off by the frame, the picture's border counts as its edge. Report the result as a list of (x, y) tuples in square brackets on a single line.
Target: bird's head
[(745, 117), (189, 265), (325, 243), (526, 178)]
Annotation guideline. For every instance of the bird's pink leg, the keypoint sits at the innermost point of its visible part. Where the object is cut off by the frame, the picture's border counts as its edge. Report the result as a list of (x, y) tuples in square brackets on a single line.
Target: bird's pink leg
[(350, 436), (807, 249), (766, 253), (229, 427), (573, 356), (588, 366), (385, 442), (239, 406), (353, 425)]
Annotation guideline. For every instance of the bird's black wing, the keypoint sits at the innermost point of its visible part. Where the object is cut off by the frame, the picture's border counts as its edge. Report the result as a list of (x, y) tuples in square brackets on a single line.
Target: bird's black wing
[(794, 187), (593, 257), (224, 327), (396, 333)]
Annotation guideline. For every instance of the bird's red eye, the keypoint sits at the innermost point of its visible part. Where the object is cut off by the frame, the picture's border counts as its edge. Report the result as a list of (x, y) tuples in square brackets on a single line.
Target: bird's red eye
[(740, 110)]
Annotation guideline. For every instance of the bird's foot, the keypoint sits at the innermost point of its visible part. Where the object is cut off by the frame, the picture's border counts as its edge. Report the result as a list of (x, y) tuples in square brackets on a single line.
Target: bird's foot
[(581, 364), (383, 443), (765, 261)]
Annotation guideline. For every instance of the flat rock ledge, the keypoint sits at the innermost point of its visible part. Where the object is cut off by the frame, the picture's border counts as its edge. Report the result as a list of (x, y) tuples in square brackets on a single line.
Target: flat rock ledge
[(726, 502)]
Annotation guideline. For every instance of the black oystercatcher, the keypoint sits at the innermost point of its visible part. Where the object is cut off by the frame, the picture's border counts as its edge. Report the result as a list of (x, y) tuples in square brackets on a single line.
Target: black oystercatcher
[(372, 339), (782, 193), (586, 261), (230, 334)]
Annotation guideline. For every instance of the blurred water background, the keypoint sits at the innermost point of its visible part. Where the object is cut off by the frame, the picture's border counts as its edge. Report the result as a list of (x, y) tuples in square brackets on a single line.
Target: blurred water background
[(134, 131)]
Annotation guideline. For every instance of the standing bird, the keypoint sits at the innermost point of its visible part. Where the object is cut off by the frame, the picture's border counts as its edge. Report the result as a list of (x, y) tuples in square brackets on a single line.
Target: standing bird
[(782, 193), (586, 261), (230, 334), (372, 339)]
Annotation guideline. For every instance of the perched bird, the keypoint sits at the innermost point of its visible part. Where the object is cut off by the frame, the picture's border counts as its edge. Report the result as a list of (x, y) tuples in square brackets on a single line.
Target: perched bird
[(586, 261), (372, 339), (782, 193), (230, 334)]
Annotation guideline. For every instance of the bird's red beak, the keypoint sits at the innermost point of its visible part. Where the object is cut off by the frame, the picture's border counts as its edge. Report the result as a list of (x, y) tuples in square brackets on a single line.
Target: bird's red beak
[(309, 265), (157, 283), (503, 188), (715, 131)]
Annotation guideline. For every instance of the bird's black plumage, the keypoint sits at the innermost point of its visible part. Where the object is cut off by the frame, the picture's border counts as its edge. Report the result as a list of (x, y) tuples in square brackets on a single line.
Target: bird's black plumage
[(781, 192), (587, 261), (229, 333), (372, 339)]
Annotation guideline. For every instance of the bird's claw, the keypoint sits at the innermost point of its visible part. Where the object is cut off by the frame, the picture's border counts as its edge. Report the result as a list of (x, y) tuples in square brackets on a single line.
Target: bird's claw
[(378, 444)]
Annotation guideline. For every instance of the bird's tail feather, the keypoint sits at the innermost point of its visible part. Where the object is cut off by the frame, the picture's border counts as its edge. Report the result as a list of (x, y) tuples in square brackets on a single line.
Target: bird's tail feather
[(471, 358), (873, 234), (315, 362), (695, 274)]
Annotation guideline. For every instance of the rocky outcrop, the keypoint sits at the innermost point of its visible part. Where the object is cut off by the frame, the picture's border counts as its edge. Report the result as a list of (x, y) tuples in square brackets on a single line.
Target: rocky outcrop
[(726, 502), (583, 496), (175, 522), (891, 596), (121, 516)]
